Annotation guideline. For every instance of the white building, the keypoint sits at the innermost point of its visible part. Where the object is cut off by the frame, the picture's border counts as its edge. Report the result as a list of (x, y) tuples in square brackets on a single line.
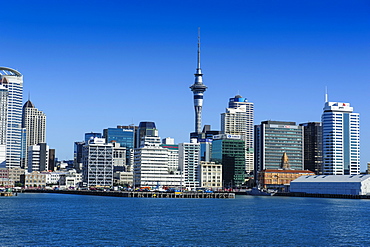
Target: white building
[(34, 123), (119, 157), (13, 81), (97, 159), (189, 162), (332, 184), (151, 165), (210, 175), (3, 124), (341, 139), (38, 157), (238, 120)]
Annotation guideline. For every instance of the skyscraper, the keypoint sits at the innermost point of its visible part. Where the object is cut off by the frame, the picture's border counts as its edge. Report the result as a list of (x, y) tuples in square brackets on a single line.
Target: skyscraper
[(198, 88), (229, 150), (238, 120), (145, 129), (34, 123), (312, 146), (13, 81), (341, 139), (272, 140), (3, 124)]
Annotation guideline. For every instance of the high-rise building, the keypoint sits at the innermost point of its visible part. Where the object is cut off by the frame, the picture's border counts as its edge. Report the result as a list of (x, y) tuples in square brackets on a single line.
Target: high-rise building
[(312, 146), (145, 129), (97, 159), (272, 140), (189, 163), (13, 81), (340, 139), (3, 124), (198, 88), (151, 165), (229, 150), (34, 123), (238, 120), (125, 137), (38, 157)]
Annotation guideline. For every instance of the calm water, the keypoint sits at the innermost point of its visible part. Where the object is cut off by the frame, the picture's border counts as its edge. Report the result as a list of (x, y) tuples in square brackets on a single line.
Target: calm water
[(75, 220)]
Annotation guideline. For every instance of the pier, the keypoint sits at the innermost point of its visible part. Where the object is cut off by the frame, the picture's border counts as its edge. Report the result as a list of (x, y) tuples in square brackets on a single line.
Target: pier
[(140, 194)]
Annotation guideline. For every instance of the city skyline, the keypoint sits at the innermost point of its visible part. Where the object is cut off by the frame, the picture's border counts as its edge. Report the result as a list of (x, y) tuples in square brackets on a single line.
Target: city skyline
[(92, 67)]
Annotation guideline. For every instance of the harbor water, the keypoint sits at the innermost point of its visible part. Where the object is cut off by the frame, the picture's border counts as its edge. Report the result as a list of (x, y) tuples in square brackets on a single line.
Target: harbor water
[(80, 220)]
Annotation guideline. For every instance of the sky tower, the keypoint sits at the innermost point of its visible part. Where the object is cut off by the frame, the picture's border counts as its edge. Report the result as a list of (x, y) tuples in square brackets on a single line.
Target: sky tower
[(198, 89)]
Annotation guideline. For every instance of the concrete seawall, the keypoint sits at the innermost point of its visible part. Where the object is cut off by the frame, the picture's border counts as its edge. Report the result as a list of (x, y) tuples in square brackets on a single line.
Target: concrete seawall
[(140, 194)]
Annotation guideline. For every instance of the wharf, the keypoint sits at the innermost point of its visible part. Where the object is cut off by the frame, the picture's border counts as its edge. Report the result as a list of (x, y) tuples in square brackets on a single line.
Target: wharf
[(6, 193), (140, 194), (301, 194)]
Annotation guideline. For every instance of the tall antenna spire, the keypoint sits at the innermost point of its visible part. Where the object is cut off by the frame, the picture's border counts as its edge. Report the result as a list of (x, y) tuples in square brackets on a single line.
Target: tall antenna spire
[(199, 71), (326, 94)]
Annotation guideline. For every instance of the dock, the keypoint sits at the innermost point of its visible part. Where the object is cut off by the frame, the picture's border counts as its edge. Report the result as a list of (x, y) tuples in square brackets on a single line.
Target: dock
[(6, 194), (140, 194)]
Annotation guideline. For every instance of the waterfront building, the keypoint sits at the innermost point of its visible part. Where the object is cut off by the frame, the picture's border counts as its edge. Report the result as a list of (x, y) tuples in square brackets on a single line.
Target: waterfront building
[(189, 163), (198, 88), (210, 175), (3, 124), (272, 140), (34, 123), (38, 157), (238, 120), (145, 129), (340, 139), (151, 165), (71, 179), (332, 184), (312, 146), (4, 178), (97, 157), (124, 178), (34, 179), (229, 150), (12, 80), (15, 174)]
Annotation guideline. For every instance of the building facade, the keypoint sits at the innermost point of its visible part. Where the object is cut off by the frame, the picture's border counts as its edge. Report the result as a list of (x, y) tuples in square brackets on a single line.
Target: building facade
[(34, 123), (151, 165), (272, 140), (238, 120), (210, 175), (3, 124), (189, 163), (312, 146), (340, 139), (97, 159), (38, 157), (229, 150), (12, 80)]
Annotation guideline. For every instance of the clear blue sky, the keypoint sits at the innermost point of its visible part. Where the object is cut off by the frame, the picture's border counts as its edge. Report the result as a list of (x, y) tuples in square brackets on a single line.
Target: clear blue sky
[(90, 65)]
